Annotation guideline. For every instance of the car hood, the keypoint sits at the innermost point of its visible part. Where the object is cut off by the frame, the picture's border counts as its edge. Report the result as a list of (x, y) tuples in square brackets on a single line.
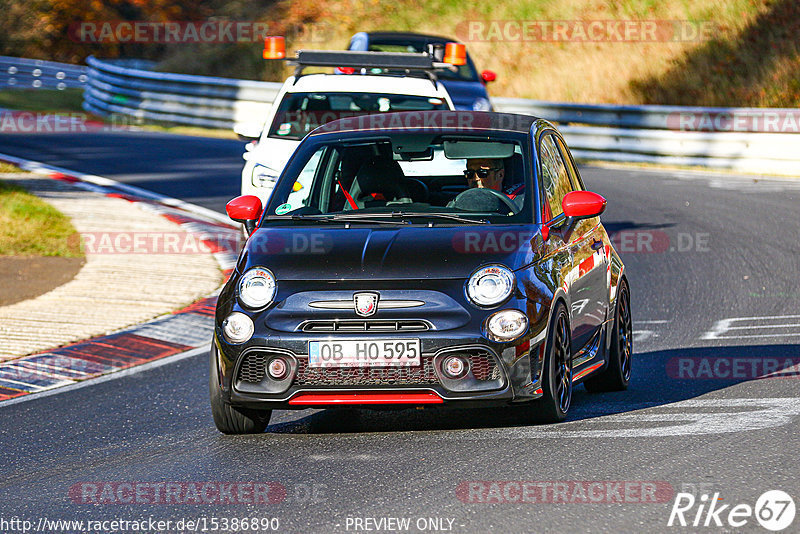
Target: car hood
[(465, 93), (386, 253)]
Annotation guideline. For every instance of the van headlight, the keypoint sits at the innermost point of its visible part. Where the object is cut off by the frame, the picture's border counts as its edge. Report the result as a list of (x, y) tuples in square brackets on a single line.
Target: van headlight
[(490, 285), (257, 288), (264, 176)]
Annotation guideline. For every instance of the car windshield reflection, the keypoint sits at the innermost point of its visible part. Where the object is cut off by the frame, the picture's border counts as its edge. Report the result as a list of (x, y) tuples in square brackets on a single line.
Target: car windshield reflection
[(448, 178)]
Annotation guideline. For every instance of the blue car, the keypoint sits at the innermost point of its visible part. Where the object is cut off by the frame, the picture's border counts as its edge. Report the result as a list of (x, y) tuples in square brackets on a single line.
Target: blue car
[(466, 87)]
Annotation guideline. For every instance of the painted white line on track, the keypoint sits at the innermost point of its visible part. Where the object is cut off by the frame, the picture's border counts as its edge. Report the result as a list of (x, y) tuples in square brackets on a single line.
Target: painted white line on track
[(791, 334), (763, 326), (763, 318), (737, 327), (644, 334), (693, 417), (37, 166), (107, 377)]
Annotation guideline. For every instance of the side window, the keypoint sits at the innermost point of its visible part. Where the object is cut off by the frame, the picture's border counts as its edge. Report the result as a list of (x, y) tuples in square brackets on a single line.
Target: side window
[(555, 179), (573, 172), (300, 195)]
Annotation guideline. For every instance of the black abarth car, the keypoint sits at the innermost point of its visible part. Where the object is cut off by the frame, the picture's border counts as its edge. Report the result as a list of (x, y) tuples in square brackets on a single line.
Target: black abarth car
[(410, 259)]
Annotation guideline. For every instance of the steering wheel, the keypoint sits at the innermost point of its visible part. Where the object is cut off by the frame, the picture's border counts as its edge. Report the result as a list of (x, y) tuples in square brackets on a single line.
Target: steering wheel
[(478, 192)]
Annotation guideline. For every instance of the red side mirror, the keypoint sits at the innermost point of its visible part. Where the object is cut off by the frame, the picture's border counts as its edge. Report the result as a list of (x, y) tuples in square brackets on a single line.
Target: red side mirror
[(488, 76), (583, 204), (244, 208)]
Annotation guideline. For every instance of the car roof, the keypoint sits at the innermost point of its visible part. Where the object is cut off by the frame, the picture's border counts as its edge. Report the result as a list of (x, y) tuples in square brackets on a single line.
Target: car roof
[(400, 37), (365, 83), (432, 121)]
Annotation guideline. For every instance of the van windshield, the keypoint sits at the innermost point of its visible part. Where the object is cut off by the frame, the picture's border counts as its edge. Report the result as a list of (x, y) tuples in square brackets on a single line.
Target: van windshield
[(300, 113)]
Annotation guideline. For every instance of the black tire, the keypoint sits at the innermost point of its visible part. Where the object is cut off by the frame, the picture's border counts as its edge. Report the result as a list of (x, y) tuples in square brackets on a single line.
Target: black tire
[(617, 374), (230, 419), (556, 399)]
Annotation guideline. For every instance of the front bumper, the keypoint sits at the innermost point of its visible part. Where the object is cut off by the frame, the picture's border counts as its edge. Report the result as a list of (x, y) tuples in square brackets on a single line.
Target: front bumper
[(444, 323), (496, 374)]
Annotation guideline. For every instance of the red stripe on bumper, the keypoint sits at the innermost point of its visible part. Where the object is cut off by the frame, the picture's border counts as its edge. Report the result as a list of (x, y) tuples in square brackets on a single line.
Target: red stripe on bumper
[(328, 399)]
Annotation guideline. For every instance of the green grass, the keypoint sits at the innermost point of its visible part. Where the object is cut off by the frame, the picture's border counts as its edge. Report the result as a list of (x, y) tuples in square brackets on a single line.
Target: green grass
[(7, 167), (47, 100), (69, 101), (30, 226), (190, 130)]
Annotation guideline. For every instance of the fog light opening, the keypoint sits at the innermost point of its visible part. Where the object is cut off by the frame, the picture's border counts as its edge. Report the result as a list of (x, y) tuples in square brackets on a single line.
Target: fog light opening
[(454, 367), (277, 368)]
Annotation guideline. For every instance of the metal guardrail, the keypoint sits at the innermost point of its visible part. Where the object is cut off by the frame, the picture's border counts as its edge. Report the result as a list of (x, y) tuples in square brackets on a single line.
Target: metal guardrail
[(762, 120), (650, 134), (22, 73), (762, 153), (119, 87)]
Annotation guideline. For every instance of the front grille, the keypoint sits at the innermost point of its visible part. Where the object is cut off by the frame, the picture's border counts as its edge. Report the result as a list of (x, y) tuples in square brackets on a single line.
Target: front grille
[(253, 370), (253, 367), (484, 367), (368, 325), (366, 376)]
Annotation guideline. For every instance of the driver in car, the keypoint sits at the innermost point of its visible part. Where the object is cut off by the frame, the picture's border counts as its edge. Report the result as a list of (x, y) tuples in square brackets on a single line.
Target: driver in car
[(485, 173)]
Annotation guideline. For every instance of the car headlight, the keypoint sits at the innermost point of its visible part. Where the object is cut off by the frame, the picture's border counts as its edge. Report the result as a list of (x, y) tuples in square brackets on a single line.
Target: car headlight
[(481, 104), (264, 176), (506, 325), (257, 288), (490, 285), (237, 328)]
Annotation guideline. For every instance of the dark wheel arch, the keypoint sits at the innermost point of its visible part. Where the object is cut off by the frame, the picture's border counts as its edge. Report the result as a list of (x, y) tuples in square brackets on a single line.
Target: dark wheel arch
[(616, 375), (556, 383)]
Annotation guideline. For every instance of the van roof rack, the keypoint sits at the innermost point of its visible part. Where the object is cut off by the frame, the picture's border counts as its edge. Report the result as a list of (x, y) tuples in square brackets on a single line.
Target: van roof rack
[(403, 61)]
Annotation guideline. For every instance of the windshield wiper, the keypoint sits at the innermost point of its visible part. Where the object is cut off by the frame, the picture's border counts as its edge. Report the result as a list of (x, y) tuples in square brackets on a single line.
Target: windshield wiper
[(394, 217), (436, 215), (338, 219)]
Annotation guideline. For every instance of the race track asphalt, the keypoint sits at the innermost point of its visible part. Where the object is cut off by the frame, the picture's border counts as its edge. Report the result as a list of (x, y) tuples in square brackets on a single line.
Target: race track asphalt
[(713, 263)]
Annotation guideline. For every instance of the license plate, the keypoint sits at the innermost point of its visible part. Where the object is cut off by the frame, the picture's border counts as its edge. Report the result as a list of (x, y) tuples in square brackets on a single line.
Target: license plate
[(364, 353)]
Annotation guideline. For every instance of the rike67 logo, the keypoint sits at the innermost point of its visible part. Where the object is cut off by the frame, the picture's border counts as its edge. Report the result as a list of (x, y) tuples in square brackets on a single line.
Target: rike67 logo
[(774, 510)]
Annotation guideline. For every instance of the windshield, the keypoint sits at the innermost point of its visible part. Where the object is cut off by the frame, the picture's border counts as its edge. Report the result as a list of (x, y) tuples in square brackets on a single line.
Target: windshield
[(300, 113), (456, 179)]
